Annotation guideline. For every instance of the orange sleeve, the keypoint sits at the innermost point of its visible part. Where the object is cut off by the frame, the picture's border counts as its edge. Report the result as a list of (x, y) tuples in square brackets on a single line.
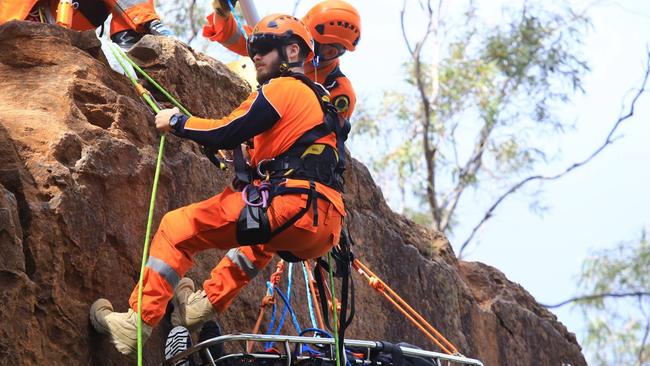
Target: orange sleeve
[(226, 32), (343, 97), (254, 116)]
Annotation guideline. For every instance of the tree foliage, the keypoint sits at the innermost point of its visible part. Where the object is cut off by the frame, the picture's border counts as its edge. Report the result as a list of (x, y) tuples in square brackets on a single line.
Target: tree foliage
[(480, 114), (185, 18), (618, 321)]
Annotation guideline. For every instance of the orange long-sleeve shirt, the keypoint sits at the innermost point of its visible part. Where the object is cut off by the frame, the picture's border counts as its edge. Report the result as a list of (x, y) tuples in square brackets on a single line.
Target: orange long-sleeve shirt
[(275, 117)]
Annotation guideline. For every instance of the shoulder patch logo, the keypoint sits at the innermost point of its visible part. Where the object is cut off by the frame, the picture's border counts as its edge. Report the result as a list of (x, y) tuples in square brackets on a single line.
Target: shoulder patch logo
[(342, 103)]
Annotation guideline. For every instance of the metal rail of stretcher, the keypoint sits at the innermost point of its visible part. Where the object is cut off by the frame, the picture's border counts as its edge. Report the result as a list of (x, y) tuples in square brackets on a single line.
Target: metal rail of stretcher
[(203, 347)]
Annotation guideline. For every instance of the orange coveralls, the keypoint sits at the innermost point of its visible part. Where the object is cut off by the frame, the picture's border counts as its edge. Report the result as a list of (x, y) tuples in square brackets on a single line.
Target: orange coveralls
[(127, 14), (226, 32), (275, 116)]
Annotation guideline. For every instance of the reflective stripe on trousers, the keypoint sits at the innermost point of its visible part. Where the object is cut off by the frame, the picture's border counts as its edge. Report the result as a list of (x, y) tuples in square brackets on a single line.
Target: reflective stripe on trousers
[(165, 270), (242, 261)]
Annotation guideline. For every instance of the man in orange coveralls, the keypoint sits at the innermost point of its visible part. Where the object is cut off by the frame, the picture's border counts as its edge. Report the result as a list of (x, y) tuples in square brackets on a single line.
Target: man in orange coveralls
[(132, 19), (335, 26), (287, 202)]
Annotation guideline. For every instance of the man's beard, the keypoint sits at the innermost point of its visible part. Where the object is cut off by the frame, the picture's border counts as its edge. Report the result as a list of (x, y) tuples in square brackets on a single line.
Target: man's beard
[(273, 71)]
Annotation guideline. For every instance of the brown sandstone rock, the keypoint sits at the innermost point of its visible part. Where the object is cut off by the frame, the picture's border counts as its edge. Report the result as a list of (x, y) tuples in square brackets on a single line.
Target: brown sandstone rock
[(77, 156)]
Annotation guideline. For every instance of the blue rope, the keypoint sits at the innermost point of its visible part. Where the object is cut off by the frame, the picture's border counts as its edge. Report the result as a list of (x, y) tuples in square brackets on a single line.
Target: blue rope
[(293, 314), (307, 348), (312, 315), (281, 322), (238, 21), (272, 321), (287, 307), (287, 303)]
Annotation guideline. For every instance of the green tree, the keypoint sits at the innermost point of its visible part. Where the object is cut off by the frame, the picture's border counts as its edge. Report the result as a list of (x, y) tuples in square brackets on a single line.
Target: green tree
[(476, 101), (616, 306), (185, 18)]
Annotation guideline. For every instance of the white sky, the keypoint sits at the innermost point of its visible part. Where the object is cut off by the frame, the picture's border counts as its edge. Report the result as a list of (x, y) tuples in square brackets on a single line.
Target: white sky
[(594, 207)]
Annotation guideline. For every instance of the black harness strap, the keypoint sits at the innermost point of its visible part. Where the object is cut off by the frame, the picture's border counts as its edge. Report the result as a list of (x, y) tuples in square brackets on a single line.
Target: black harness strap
[(343, 258)]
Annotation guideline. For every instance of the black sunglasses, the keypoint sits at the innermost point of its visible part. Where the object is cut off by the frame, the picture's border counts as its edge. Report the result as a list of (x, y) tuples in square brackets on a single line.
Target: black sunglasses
[(261, 47)]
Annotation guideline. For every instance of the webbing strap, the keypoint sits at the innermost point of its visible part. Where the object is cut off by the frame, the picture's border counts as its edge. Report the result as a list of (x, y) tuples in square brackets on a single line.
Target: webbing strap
[(242, 171), (343, 257)]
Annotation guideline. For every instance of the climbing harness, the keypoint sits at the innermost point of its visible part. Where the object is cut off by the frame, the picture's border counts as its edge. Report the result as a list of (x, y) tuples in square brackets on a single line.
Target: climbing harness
[(304, 160)]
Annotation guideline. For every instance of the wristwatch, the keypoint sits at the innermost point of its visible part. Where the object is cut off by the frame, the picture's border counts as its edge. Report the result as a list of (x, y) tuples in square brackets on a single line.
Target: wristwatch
[(173, 120)]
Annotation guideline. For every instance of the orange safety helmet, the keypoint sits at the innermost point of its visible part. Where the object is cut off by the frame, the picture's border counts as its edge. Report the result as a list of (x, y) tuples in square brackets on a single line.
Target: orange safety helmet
[(334, 21), (280, 29)]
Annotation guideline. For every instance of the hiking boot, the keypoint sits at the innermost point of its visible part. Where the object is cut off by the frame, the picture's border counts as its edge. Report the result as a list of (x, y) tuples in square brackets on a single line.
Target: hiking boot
[(121, 327), (191, 309), (178, 341), (156, 28), (211, 330), (182, 291), (126, 38)]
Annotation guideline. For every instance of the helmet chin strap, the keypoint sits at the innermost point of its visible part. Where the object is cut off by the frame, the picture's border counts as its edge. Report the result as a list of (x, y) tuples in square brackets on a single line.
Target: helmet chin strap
[(285, 65)]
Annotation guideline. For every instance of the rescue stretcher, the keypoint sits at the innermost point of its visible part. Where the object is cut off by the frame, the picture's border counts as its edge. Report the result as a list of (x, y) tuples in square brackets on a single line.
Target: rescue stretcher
[(293, 357)]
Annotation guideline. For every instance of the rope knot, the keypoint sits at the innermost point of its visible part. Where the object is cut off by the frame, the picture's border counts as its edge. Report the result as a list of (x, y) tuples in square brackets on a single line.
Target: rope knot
[(268, 300), (375, 283)]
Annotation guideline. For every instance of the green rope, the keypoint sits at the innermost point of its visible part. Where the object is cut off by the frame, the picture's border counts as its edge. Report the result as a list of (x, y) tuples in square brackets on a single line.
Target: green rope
[(152, 202), (123, 65), (154, 83), (145, 251), (334, 316)]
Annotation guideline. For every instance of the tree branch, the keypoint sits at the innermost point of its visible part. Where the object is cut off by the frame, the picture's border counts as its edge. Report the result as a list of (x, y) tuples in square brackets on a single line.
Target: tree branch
[(295, 7), (191, 10), (644, 340), (598, 296), (406, 39), (608, 140), (473, 164), (430, 149)]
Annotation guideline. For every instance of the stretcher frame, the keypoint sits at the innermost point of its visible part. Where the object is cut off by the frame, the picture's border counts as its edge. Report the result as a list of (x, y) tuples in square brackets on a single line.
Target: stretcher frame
[(440, 359)]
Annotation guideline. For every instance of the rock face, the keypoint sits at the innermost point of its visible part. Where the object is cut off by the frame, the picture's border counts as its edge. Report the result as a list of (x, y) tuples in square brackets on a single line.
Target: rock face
[(77, 157)]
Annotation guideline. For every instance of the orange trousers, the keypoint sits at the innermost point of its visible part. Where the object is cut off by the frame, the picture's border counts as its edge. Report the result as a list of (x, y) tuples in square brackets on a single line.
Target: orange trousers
[(212, 224), (131, 14)]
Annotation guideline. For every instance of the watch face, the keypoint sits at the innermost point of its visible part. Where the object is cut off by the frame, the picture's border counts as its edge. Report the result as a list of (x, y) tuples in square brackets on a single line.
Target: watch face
[(173, 121)]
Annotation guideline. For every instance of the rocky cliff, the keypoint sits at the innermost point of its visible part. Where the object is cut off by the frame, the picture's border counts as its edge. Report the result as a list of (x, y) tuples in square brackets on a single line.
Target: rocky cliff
[(77, 156)]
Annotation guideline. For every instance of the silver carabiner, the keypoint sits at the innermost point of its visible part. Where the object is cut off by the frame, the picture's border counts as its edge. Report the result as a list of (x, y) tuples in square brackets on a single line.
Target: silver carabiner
[(259, 166)]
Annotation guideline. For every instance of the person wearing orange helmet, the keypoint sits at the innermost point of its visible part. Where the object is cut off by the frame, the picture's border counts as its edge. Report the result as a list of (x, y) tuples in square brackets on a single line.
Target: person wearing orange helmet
[(287, 201), (132, 19), (336, 28)]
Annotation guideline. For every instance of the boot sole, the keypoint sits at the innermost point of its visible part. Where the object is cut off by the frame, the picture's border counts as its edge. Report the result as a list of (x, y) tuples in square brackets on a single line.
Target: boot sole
[(178, 340)]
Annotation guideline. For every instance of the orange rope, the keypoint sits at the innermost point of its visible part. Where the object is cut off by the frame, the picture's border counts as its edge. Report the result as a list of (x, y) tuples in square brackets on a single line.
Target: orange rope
[(401, 305), (267, 300)]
